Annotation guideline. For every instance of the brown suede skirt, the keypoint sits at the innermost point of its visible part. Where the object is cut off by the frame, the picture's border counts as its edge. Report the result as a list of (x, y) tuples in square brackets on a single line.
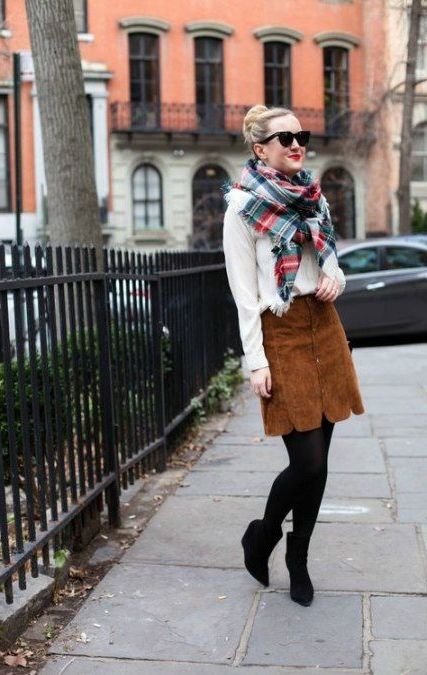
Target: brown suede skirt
[(311, 366)]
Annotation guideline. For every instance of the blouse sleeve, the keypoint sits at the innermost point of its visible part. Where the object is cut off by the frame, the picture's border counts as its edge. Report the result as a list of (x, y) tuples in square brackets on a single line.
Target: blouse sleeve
[(241, 267), (332, 269)]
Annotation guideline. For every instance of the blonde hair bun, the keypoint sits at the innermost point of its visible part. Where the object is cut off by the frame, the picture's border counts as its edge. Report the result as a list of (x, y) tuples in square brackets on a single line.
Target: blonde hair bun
[(257, 120), (251, 117)]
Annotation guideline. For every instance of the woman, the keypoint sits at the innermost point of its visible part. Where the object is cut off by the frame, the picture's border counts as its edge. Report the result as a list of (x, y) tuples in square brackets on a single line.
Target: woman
[(281, 262)]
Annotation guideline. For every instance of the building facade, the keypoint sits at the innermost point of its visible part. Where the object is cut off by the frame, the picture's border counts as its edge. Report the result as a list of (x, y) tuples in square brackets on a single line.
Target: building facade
[(167, 89)]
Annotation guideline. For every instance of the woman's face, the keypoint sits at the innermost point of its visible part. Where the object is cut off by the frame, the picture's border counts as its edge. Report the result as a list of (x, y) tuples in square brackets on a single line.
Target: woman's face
[(287, 160)]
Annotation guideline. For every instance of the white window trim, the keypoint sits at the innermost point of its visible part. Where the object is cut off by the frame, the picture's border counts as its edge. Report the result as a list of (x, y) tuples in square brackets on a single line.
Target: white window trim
[(337, 39), (278, 34), (85, 37)]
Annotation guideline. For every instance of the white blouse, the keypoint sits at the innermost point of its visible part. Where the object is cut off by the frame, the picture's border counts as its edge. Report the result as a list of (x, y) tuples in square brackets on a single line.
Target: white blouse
[(250, 270)]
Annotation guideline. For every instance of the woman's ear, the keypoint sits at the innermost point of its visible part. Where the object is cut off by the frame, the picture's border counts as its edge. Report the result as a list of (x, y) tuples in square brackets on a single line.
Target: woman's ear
[(258, 151)]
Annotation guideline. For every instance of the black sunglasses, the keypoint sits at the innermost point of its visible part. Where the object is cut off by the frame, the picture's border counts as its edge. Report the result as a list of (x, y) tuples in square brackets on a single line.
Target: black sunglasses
[(286, 138)]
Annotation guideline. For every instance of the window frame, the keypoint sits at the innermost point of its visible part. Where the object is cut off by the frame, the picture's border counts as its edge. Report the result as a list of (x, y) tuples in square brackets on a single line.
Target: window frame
[(384, 267), (146, 201), (84, 17), (145, 110), (4, 98), (276, 76), (210, 112), (422, 154), (351, 251), (335, 108)]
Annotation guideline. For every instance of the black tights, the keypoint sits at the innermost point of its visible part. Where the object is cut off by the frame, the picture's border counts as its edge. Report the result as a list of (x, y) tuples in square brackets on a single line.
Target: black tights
[(301, 485)]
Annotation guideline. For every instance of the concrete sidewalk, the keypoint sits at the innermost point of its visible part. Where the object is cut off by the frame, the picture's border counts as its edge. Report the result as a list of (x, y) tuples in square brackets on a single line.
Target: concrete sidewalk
[(180, 600)]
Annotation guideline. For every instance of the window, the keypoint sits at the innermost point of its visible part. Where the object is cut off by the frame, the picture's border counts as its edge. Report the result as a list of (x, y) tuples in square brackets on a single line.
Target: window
[(401, 257), (360, 260), (277, 74), (144, 79), (147, 198), (419, 153), (80, 13), (209, 82), (336, 89), (422, 45), (4, 156), (338, 187), (89, 103)]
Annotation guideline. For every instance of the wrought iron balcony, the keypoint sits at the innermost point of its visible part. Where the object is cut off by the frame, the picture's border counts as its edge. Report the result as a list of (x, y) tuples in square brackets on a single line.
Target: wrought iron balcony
[(228, 119)]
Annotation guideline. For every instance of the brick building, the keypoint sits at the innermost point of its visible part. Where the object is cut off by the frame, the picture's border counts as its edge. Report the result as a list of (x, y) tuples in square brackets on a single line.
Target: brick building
[(167, 88)]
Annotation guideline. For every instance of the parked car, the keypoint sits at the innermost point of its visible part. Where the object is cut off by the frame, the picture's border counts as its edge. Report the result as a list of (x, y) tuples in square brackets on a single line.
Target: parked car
[(386, 289)]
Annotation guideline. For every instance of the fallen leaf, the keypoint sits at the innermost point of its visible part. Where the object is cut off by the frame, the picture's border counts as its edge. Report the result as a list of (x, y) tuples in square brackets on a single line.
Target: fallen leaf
[(17, 660), (83, 638), (77, 572)]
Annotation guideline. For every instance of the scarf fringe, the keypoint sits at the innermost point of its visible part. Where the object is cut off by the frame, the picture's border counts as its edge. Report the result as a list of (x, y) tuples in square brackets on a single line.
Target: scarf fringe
[(279, 307)]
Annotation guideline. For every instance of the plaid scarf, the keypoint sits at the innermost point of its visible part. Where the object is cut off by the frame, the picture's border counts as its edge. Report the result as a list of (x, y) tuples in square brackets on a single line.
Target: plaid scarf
[(291, 211)]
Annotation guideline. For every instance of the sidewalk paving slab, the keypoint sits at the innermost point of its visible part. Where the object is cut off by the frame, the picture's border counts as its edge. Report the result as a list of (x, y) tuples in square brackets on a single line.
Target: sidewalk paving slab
[(399, 657), (258, 483), (87, 666), (162, 612), (397, 617), (406, 447), (360, 557), (312, 638), (362, 455)]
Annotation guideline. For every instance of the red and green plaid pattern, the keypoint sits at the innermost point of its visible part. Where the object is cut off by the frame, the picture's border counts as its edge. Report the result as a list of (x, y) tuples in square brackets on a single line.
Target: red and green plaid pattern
[(291, 211)]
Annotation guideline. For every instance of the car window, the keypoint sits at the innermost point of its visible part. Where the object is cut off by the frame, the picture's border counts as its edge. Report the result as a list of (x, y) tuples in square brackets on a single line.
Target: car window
[(398, 257), (360, 260)]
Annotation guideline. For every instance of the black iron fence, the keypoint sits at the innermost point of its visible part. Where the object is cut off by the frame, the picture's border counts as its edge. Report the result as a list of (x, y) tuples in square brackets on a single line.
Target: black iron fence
[(97, 368)]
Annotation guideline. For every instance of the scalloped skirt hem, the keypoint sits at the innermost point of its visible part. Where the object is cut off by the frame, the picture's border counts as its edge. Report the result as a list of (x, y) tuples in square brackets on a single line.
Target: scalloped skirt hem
[(311, 366)]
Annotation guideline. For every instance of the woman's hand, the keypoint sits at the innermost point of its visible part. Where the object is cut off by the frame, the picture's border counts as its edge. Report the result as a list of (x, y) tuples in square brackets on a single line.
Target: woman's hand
[(261, 381), (327, 288)]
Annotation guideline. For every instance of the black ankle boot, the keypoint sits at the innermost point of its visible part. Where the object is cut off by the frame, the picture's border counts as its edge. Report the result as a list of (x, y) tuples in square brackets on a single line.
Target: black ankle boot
[(258, 543), (296, 562)]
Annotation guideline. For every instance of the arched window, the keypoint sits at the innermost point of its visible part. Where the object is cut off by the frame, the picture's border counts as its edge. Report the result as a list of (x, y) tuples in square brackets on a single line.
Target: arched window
[(147, 198), (277, 74), (208, 207), (338, 187), (419, 153)]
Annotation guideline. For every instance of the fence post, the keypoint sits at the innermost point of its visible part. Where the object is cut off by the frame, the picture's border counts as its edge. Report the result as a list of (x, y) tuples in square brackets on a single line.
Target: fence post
[(111, 463), (204, 345), (159, 393)]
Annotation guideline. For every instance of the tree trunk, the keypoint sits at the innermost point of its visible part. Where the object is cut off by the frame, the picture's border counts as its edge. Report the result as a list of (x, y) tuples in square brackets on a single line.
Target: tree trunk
[(403, 192), (67, 148)]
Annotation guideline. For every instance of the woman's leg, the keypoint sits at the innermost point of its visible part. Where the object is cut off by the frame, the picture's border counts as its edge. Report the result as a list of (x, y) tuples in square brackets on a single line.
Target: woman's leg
[(307, 463), (307, 504)]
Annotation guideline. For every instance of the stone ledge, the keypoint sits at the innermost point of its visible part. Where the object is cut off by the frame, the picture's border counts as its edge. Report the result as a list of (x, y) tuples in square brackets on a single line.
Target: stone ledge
[(26, 604)]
